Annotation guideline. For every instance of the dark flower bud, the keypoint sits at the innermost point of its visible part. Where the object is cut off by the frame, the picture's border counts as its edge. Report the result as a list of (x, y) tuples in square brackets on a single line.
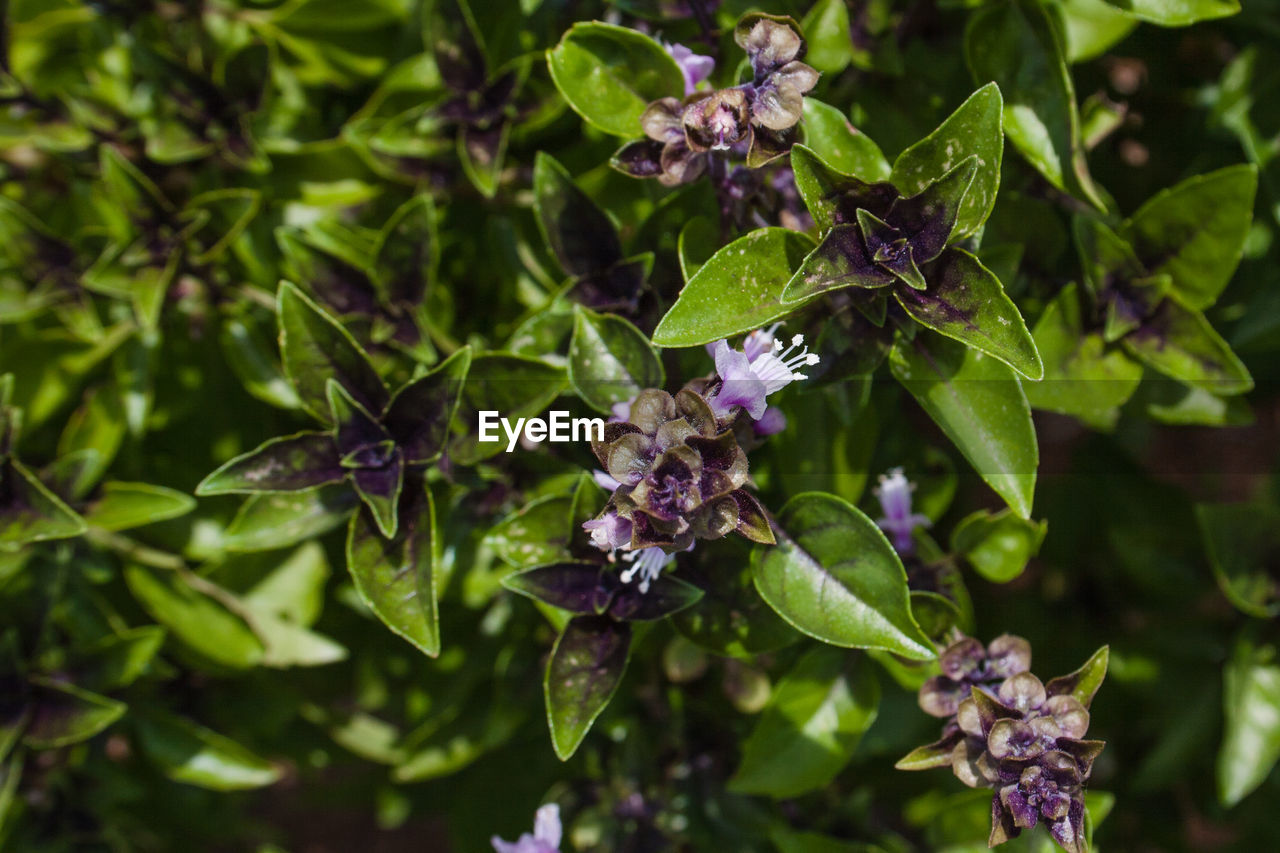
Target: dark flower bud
[(965, 664), (718, 120)]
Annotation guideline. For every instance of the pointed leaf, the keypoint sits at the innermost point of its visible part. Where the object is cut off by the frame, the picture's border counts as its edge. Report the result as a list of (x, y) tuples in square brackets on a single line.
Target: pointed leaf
[(63, 714), (1177, 13), (195, 755), (396, 577), (1195, 231), (584, 671), (829, 135), (1241, 539), (205, 626), (269, 521), (1082, 685), (811, 726), (1179, 342), (979, 404), (419, 414), (609, 75), (406, 253), (974, 129), (1251, 705), (316, 348), (1083, 375), (666, 596), (965, 301), (834, 576), (610, 360), (118, 660), (841, 260), (123, 506), (576, 587), (537, 534), (286, 464), (579, 233), (832, 196), (1017, 45), (29, 512), (928, 218)]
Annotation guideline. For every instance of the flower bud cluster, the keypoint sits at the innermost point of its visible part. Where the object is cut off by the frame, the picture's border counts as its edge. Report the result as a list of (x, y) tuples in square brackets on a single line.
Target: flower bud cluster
[(1008, 731)]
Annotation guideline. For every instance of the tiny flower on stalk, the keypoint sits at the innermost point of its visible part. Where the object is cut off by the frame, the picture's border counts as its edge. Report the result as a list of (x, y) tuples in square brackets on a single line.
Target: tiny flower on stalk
[(694, 66), (647, 564), (899, 521), (750, 375), (545, 837)]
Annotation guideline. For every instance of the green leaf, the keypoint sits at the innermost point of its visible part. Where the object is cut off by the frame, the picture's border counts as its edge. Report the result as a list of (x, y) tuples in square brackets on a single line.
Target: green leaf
[(539, 533), (974, 129), (286, 464), (838, 143), (1179, 342), (247, 352), (795, 841), (195, 755), (406, 253), (63, 714), (295, 589), (1017, 45), (1082, 685), (966, 301), (610, 74), (811, 726), (123, 506), (979, 404), (515, 386), (1084, 376), (1241, 540), (828, 46), (419, 414), (739, 289), (731, 619), (316, 348), (998, 544), (118, 660), (1177, 13), (834, 576), (584, 671), (1092, 27), (205, 626), (396, 577), (29, 512), (580, 234), (1251, 705), (825, 189), (610, 360), (268, 521), (1195, 231)]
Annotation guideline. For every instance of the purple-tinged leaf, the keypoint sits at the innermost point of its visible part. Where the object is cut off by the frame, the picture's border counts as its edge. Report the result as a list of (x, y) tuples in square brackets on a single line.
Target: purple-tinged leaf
[(582, 588), (584, 671), (331, 270), (419, 414), (29, 512), (395, 576), (355, 427), (577, 230), (406, 253), (841, 260), (753, 523), (966, 301), (287, 464), (639, 159), (666, 595), (63, 714), (1082, 684), (833, 197), (936, 754), (1179, 342), (929, 218), (316, 348), (890, 250), (380, 488)]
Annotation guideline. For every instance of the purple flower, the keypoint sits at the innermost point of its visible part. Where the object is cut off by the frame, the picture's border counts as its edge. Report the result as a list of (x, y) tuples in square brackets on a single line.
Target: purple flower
[(746, 380), (621, 411), (545, 837), (604, 480), (772, 422), (647, 564), (695, 67), (609, 531), (899, 521)]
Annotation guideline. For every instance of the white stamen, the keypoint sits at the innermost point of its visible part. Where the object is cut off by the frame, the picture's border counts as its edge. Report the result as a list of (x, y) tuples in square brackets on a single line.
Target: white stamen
[(647, 563)]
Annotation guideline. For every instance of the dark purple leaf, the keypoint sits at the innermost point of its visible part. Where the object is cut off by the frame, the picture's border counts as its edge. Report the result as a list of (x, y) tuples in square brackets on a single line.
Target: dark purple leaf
[(753, 523), (404, 258), (583, 588), (419, 414), (355, 428), (928, 219), (63, 714), (585, 669), (640, 159), (666, 595), (577, 230), (841, 260), (316, 348), (285, 464), (379, 488)]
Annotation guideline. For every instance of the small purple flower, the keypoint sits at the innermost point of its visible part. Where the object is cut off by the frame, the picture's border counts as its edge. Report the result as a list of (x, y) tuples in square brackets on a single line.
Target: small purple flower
[(746, 381), (545, 837), (772, 422), (646, 563), (899, 521), (621, 411), (609, 531), (693, 66), (604, 480)]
